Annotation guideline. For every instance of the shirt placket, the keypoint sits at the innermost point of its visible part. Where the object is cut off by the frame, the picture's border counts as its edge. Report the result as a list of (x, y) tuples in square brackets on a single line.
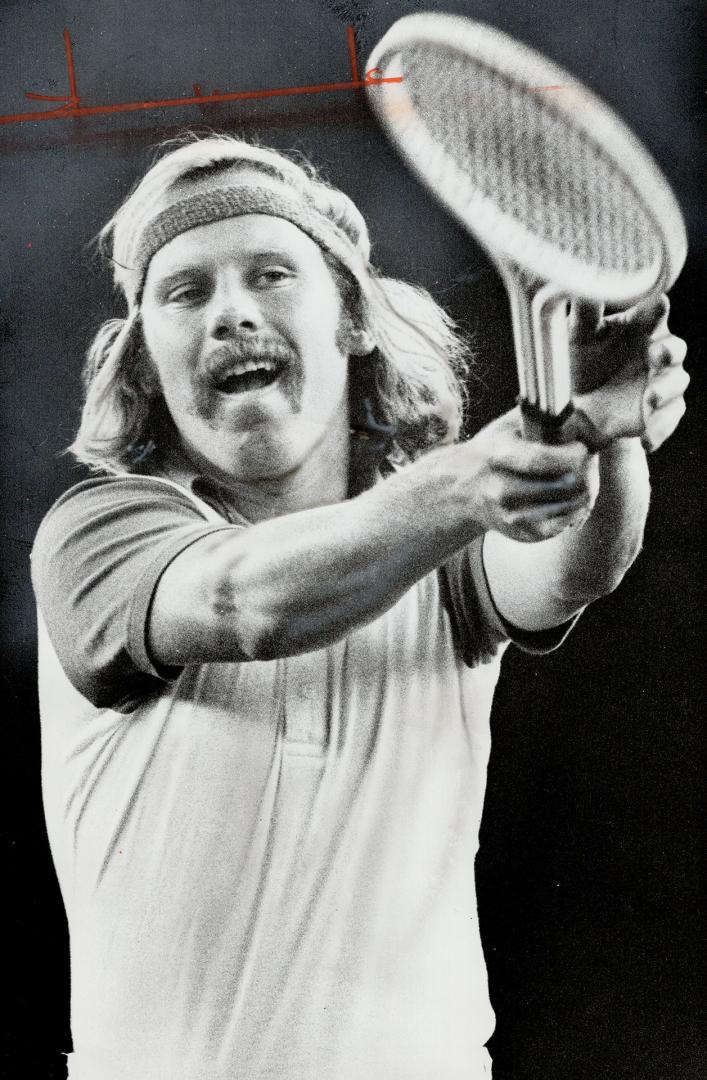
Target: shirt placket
[(306, 702)]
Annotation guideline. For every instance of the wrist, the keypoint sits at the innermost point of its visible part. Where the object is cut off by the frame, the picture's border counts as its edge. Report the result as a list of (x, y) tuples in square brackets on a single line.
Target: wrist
[(627, 454), (438, 493), (613, 412)]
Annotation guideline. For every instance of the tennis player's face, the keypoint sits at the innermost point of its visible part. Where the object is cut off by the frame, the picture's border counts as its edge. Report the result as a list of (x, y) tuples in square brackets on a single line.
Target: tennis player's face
[(243, 321)]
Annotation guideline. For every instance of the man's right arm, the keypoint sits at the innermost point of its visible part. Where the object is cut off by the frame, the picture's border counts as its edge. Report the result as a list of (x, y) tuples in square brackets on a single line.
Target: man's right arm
[(299, 582)]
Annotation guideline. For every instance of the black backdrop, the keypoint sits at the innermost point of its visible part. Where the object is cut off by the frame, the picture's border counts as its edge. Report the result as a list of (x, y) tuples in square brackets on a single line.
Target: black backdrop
[(588, 871)]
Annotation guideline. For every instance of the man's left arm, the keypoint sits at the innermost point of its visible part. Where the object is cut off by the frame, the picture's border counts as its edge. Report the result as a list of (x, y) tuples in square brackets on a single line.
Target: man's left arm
[(628, 371)]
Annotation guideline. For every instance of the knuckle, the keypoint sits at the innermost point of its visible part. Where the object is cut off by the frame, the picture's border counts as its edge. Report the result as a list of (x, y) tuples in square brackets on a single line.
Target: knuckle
[(679, 350), (663, 306), (501, 494), (659, 354)]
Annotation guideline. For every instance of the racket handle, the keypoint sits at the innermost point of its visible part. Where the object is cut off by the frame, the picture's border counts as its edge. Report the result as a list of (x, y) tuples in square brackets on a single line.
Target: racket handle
[(572, 423), (540, 426)]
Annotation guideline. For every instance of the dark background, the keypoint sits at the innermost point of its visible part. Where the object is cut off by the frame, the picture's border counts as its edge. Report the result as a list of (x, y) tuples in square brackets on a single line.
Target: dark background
[(588, 872)]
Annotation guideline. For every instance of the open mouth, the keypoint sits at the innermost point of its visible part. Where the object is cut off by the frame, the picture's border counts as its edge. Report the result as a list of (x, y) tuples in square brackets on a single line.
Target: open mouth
[(249, 375)]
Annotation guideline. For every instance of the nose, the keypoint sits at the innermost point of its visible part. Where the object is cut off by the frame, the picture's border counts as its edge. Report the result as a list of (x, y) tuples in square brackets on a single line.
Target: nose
[(234, 311)]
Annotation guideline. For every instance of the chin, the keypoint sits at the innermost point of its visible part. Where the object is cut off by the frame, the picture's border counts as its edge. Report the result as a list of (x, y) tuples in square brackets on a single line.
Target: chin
[(259, 458)]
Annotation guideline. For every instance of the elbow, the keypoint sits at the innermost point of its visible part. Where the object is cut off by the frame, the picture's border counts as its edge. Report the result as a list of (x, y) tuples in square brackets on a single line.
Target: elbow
[(610, 580), (621, 560), (607, 571)]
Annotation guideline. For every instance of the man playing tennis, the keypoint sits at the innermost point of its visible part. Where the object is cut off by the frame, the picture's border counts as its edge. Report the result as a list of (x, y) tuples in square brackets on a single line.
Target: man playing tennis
[(271, 626)]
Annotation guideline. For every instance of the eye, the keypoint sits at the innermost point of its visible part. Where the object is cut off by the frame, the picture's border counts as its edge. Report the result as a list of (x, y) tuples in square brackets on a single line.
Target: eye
[(188, 292), (273, 276)]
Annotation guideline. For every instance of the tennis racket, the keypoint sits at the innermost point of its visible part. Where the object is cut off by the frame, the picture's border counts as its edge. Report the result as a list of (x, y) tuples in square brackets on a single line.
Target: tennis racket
[(552, 184)]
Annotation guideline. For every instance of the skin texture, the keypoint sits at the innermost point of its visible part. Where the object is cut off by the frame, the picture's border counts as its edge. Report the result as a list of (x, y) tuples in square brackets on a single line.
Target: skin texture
[(248, 286), (628, 370), (561, 524)]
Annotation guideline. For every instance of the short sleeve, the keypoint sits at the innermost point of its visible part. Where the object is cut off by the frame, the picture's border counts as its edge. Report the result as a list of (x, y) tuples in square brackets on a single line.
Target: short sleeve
[(478, 626), (96, 561)]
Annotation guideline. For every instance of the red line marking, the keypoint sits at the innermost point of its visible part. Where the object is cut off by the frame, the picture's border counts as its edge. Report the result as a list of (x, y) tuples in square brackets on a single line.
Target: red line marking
[(353, 61), (47, 97), (70, 66), (66, 111), (71, 107)]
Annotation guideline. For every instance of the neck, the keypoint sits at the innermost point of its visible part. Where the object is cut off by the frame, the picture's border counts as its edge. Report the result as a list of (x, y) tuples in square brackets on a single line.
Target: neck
[(313, 483), (320, 480)]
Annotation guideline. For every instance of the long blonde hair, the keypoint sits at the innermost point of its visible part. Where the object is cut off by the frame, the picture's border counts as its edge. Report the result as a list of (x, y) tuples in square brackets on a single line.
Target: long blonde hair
[(421, 358)]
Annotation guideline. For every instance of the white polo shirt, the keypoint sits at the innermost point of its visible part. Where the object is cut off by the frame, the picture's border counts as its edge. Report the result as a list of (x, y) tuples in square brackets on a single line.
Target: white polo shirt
[(267, 867)]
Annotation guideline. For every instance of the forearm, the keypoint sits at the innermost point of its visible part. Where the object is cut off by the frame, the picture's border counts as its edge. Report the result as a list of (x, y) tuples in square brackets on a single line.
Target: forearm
[(298, 582), (316, 575), (594, 557), (540, 585)]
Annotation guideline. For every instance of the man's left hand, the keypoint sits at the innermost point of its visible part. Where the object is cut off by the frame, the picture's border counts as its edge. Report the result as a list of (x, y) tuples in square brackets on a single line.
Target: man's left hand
[(627, 372)]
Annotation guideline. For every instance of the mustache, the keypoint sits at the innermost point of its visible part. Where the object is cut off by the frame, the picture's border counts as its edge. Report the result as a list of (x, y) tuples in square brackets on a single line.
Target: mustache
[(224, 360)]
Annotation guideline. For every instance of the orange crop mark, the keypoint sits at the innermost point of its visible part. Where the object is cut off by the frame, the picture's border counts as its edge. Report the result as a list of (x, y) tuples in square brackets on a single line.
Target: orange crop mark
[(71, 107)]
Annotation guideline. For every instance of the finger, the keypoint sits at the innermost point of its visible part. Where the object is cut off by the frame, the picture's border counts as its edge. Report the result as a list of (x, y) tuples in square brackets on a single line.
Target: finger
[(578, 426), (666, 387), (534, 529), (663, 424), (666, 352), (564, 492), (661, 327), (586, 319), (504, 449), (553, 510), (649, 316), (542, 461)]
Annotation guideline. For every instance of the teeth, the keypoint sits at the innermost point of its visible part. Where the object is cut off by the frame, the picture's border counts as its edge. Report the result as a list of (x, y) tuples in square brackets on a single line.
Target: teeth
[(252, 365)]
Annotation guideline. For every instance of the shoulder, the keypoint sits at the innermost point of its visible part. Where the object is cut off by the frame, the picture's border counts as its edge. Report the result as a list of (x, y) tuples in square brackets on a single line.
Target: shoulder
[(103, 492), (97, 557), (120, 504)]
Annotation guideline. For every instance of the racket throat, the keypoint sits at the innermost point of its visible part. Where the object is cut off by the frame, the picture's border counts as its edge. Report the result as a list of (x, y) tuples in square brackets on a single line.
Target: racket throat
[(541, 338)]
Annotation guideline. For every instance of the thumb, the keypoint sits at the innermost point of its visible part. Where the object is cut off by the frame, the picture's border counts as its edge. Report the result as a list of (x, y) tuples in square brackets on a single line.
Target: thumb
[(648, 316), (585, 319), (579, 427)]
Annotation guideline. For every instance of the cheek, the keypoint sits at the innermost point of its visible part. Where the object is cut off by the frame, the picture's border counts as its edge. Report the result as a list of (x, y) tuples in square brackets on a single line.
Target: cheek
[(164, 332), (170, 349)]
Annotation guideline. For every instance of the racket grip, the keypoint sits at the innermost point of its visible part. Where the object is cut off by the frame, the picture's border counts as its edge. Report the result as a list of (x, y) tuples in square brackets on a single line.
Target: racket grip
[(540, 426), (572, 423)]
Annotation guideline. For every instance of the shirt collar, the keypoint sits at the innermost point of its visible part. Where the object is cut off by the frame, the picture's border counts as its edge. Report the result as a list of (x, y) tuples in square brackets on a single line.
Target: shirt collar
[(369, 449)]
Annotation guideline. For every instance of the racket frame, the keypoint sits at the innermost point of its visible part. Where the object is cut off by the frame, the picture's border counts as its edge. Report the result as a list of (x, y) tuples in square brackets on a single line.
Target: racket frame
[(538, 306)]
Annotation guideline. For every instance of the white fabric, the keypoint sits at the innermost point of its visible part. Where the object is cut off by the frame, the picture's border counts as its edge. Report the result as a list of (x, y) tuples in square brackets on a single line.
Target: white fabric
[(268, 868)]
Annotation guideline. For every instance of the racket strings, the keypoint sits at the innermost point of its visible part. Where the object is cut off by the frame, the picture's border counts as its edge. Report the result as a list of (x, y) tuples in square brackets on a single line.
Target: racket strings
[(511, 147)]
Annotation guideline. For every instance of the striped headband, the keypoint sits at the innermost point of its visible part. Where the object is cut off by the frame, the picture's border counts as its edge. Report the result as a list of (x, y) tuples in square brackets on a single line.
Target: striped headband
[(235, 199)]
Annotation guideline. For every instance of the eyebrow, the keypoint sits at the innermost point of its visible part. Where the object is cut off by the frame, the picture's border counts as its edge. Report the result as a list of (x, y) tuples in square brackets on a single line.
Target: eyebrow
[(257, 255), (162, 283), (272, 253)]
